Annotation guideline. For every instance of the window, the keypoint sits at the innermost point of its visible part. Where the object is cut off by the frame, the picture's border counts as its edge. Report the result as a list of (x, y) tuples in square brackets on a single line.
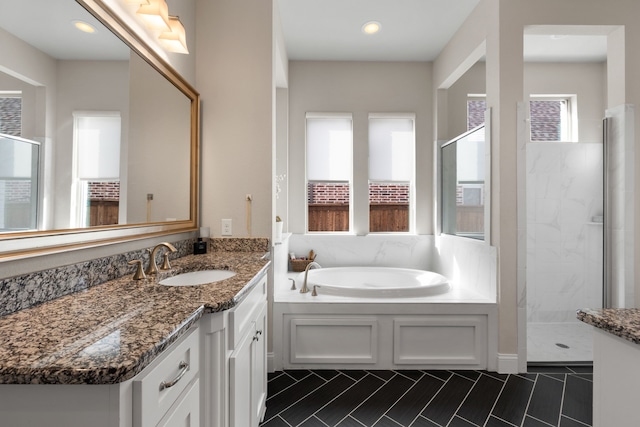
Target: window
[(391, 172), (11, 113), (551, 118), (96, 169), (329, 172), (463, 184), (476, 106)]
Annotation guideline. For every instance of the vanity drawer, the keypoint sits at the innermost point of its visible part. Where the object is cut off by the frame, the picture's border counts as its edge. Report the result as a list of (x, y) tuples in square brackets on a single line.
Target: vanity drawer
[(162, 383), (242, 316)]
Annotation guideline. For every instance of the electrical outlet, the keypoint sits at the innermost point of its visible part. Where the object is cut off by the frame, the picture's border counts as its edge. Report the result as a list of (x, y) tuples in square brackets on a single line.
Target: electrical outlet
[(226, 227)]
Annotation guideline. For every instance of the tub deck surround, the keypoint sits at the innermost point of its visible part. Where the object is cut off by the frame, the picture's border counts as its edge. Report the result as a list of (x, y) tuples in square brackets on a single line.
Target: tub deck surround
[(108, 333), (622, 322)]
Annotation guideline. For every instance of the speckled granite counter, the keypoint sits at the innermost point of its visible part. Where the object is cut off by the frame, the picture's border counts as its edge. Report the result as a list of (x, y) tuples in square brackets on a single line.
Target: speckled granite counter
[(622, 322), (109, 333)]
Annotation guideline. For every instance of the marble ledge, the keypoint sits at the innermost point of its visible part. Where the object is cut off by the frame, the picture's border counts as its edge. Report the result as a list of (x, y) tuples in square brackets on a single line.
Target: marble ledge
[(108, 333), (622, 322)]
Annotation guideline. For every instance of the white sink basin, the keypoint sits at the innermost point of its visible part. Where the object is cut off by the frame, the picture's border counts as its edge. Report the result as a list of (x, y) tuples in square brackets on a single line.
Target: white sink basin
[(197, 278)]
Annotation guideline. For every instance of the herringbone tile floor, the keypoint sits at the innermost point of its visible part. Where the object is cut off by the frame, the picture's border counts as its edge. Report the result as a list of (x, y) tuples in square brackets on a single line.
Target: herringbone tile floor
[(546, 396)]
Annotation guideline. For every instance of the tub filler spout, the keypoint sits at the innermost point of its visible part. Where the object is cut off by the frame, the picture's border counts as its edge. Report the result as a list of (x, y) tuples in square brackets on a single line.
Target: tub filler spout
[(311, 265)]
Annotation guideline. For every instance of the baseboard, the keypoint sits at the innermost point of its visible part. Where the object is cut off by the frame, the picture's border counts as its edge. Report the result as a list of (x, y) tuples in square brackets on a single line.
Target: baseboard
[(270, 362), (507, 363)]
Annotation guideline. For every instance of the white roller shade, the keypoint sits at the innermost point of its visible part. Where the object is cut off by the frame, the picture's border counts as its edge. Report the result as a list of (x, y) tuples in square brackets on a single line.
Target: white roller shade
[(391, 147), (329, 148), (98, 148)]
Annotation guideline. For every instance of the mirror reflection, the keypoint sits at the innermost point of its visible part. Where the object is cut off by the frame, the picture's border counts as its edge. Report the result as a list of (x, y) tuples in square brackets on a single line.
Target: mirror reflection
[(92, 135)]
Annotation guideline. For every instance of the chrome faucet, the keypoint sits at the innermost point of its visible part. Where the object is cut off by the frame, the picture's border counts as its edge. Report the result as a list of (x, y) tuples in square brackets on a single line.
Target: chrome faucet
[(152, 268), (311, 265)]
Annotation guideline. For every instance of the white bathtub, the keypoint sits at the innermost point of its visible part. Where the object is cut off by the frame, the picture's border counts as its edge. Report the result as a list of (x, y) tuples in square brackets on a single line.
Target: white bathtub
[(381, 318), (375, 282)]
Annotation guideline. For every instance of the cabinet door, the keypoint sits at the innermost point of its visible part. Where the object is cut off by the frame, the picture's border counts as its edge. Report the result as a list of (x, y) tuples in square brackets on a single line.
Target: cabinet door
[(187, 412), (259, 366), (240, 367)]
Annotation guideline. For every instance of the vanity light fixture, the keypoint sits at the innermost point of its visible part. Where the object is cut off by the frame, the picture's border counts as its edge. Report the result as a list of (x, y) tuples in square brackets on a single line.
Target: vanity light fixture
[(371, 27), (155, 15), (176, 39), (84, 27)]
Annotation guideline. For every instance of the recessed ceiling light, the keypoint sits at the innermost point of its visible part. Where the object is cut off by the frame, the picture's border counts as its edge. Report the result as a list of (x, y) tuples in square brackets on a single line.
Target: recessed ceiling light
[(371, 27), (83, 26)]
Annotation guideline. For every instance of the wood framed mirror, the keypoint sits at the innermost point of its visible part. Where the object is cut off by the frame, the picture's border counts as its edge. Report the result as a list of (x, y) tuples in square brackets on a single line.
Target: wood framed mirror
[(157, 166)]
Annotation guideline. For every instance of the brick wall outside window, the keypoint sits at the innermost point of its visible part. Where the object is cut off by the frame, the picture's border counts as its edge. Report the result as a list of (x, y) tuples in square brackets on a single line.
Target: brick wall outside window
[(388, 193), (475, 112), (104, 190), (546, 120), (330, 193), (11, 116), (327, 193)]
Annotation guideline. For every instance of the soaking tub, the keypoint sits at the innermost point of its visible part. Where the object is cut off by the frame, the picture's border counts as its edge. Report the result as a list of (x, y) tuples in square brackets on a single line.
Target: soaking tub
[(372, 317), (374, 282)]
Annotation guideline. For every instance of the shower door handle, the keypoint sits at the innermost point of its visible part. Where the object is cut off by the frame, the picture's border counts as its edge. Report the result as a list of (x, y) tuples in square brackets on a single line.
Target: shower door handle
[(607, 282)]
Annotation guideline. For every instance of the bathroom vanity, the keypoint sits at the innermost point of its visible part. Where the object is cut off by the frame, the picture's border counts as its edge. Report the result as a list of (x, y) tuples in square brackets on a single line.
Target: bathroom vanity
[(616, 367), (133, 353)]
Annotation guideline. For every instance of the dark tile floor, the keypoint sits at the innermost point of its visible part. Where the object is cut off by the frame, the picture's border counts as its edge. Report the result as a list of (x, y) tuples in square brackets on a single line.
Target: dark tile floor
[(559, 396)]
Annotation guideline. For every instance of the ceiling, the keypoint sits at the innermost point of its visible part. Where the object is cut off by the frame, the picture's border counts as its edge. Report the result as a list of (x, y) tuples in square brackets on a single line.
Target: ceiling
[(48, 26), (411, 30)]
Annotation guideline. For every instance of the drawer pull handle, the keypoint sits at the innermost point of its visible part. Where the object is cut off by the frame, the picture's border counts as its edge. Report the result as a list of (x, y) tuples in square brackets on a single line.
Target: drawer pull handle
[(184, 367)]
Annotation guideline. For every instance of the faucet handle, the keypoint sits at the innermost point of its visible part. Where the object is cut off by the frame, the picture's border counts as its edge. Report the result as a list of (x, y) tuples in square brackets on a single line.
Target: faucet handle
[(293, 284), (139, 274), (165, 262)]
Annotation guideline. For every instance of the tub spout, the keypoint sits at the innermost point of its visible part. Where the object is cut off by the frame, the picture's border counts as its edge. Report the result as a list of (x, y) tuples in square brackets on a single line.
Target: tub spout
[(311, 265)]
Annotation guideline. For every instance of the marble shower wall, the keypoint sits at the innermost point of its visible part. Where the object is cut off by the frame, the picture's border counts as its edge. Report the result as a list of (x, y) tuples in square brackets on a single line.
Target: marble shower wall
[(564, 238)]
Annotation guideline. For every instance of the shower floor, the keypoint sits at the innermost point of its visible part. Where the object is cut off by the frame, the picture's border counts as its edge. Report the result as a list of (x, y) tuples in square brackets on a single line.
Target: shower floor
[(574, 339)]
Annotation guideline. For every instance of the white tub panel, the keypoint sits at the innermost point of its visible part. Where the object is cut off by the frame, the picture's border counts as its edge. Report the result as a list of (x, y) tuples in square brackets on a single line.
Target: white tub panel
[(440, 340), (315, 340)]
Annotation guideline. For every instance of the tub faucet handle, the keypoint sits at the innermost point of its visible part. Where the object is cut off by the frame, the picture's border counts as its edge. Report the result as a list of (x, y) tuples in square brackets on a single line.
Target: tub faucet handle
[(293, 284), (314, 293)]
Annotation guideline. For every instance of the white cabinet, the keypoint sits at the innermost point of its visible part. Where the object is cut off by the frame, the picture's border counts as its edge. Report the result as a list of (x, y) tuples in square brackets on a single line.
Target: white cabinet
[(159, 391), (138, 402), (247, 374), (235, 362), (616, 380)]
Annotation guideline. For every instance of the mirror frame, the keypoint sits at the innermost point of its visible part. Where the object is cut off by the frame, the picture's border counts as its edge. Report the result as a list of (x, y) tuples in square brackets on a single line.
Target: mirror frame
[(34, 243)]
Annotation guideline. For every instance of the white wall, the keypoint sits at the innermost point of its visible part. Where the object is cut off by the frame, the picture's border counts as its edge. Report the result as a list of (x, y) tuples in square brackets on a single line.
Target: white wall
[(159, 154), (360, 88), (235, 78)]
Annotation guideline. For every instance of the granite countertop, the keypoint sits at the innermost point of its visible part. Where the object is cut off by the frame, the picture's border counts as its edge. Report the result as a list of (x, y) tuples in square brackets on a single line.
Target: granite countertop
[(108, 333), (623, 322)]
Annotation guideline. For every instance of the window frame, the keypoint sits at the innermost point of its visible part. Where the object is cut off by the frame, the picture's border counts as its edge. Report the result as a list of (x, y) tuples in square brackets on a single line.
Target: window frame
[(327, 115), (412, 181), (569, 132)]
